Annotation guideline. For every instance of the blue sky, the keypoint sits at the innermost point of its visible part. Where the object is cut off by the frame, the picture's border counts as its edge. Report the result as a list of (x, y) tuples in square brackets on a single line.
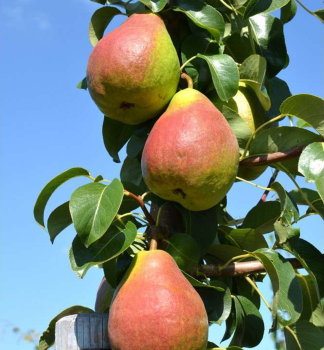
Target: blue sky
[(48, 126)]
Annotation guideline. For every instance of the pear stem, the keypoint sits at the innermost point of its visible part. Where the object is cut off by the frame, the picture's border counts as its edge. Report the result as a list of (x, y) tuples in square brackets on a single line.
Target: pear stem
[(139, 199), (153, 244), (189, 80)]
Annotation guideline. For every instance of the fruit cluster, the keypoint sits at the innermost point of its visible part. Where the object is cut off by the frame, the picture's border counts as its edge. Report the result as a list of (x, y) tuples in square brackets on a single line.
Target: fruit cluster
[(191, 157)]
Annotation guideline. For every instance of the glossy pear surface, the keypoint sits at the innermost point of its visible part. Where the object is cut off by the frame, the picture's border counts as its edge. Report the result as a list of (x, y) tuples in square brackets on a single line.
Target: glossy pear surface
[(156, 308), (191, 155), (133, 71)]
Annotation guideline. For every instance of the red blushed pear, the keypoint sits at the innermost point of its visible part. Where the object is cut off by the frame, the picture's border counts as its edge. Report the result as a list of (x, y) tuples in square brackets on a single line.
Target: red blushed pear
[(191, 155), (133, 72), (156, 308)]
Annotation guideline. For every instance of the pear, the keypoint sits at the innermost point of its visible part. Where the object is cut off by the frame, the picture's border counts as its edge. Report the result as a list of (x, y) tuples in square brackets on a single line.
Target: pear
[(156, 308), (246, 104), (191, 155), (133, 71)]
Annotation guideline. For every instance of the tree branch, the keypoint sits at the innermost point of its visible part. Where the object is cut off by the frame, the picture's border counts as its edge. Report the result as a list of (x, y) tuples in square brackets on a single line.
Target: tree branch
[(271, 158), (239, 268), (271, 181)]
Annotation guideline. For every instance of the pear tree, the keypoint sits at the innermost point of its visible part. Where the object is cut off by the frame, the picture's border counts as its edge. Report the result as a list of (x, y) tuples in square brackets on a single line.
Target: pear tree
[(190, 89)]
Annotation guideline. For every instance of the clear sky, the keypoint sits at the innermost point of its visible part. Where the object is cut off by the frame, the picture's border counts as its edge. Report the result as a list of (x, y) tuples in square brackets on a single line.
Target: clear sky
[(48, 126)]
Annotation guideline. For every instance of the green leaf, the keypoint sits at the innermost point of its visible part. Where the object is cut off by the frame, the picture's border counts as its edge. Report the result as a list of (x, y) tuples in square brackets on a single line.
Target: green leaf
[(311, 259), (281, 139), (252, 72), (131, 171), (284, 233), (288, 12), (218, 304), (302, 124), (319, 14), (245, 238), (136, 143), (110, 271), (238, 46), (201, 225), (311, 165), (102, 2), (255, 7), (267, 34), (249, 324), (225, 252), (224, 74), (309, 337), (202, 15), (134, 7), (278, 91), (245, 289), (115, 135), (306, 107), (49, 189), (319, 206), (184, 250), (289, 211), (263, 216), (59, 219), (312, 308), (99, 22), (155, 5), (287, 293), (93, 208), (299, 199), (48, 337), (196, 283), (198, 69), (129, 203), (83, 84), (115, 241)]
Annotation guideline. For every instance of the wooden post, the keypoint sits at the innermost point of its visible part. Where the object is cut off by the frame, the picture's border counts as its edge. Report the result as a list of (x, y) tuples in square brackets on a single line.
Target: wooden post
[(81, 332)]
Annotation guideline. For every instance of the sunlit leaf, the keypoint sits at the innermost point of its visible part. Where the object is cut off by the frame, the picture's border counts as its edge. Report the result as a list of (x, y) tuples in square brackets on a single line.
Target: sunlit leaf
[(93, 208)]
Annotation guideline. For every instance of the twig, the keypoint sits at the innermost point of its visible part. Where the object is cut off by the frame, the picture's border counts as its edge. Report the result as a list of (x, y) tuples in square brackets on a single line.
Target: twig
[(253, 184), (271, 181), (190, 59), (248, 279), (139, 199), (309, 11), (239, 268), (267, 159)]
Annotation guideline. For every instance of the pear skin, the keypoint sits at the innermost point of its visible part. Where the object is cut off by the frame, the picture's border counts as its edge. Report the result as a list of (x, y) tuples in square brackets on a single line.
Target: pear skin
[(191, 155), (134, 71), (156, 308)]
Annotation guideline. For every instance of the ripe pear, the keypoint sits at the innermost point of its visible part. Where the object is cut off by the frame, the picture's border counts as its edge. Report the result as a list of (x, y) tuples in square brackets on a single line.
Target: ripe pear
[(191, 155), (156, 308), (133, 72), (246, 104)]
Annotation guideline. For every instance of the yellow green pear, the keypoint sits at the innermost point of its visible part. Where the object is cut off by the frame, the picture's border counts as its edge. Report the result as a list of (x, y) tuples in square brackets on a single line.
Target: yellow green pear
[(246, 104), (134, 70), (191, 155)]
